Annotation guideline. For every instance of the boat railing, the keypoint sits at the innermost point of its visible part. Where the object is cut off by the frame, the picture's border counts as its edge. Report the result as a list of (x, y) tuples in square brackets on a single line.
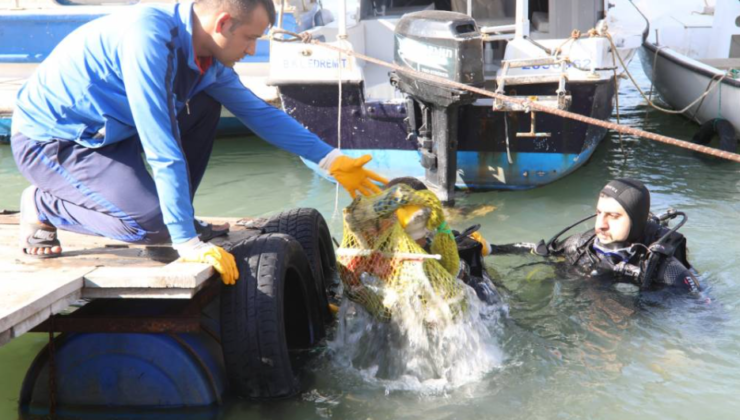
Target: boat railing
[(498, 33)]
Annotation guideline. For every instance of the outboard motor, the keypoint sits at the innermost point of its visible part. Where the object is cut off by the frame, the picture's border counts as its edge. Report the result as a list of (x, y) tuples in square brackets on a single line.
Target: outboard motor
[(447, 45)]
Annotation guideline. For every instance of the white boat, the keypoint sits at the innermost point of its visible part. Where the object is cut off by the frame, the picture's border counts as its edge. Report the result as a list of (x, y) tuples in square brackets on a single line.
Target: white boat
[(497, 147), (692, 57)]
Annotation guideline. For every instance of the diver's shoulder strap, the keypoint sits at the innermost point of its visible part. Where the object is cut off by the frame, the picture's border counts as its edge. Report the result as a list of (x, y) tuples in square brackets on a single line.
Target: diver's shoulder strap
[(573, 244), (674, 244)]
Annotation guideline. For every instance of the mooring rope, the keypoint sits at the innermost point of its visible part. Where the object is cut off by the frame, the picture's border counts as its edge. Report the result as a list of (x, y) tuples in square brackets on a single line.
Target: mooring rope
[(529, 104)]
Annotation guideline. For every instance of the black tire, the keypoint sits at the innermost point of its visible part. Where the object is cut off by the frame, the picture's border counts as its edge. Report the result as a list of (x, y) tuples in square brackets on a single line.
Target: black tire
[(721, 128), (309, 228), (272, 308)]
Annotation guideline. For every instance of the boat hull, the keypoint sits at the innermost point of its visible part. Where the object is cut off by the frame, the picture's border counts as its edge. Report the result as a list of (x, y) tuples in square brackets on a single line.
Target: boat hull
[(378, 129), (679, 80)]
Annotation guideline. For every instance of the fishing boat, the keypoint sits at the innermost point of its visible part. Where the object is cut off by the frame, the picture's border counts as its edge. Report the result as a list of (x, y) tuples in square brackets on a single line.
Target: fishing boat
[(560, 55), (692, 57), (30, 29)]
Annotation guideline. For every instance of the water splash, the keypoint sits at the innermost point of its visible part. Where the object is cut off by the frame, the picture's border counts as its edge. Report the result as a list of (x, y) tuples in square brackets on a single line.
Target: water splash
[(424, 348)]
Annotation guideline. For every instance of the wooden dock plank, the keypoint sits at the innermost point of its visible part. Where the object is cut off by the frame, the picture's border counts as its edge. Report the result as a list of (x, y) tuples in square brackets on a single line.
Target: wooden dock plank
[(32, 321), (174, 275), (139, 293), (25, 293), (91, 267), (29, 298)]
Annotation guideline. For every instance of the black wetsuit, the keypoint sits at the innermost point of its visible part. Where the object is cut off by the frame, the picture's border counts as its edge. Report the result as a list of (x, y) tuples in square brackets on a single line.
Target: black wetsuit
[(672, 269), (473, 270)]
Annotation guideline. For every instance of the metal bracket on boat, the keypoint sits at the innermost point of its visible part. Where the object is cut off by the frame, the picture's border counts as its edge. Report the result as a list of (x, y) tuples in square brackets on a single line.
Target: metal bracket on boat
[(533, 129), (552, 101), (561, 101), (410, 120), (436, 135), (422, 138)]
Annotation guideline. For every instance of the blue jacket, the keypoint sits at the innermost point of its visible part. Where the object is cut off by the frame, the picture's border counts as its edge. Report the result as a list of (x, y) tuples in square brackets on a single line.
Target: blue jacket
[(131, 73)]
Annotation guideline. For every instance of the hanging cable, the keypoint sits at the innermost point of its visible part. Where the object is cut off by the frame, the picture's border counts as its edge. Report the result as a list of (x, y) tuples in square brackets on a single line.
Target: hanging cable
[(339, 128), (616, 99)]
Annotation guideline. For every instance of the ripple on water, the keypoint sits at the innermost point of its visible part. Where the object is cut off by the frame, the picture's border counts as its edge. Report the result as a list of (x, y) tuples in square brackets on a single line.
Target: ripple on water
[(412, 353)]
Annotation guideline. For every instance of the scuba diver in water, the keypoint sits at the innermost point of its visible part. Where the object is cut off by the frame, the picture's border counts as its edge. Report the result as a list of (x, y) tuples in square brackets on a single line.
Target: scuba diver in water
[(471, 246), (627, 244)]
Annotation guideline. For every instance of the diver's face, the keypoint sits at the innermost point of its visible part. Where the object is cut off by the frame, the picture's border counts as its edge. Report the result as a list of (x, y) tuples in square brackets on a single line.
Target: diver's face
[(612, 222), (236, 38)]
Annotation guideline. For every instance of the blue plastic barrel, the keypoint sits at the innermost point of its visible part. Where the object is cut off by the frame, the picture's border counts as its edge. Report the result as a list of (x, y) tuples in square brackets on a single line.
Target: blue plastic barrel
[(128, 370)]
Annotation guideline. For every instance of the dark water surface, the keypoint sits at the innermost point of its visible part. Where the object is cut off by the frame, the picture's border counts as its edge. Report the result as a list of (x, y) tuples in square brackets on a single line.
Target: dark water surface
[(570, 349)]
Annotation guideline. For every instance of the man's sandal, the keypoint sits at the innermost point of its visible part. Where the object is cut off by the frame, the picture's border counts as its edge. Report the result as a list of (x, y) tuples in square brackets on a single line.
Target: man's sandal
[(41, 237), (34, 234)]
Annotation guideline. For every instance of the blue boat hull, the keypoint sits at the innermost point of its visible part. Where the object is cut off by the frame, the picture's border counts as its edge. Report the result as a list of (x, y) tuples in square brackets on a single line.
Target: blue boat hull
[(474, 169), (484, 162)]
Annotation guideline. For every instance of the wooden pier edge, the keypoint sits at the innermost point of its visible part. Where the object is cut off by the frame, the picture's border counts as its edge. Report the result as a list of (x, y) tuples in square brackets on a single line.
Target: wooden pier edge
[(95, 268)]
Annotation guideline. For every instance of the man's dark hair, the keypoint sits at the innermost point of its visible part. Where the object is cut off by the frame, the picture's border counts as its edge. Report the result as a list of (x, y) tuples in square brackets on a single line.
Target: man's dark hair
[(242, 9)]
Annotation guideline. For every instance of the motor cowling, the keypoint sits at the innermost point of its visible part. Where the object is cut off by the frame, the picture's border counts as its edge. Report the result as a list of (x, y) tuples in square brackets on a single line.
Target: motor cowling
[(444, 44)]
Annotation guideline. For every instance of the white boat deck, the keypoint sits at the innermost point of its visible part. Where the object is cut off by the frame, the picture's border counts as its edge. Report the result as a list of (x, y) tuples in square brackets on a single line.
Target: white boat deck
[(722, 63), (91, 268)]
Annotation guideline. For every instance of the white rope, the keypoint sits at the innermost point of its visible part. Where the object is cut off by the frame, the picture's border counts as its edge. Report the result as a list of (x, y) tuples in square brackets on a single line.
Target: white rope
[(506, 133), (352, 252), (339, 131)]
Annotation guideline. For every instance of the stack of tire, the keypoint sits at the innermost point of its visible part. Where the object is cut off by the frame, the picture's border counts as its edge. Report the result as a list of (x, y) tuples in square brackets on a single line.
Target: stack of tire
[(279, 304)]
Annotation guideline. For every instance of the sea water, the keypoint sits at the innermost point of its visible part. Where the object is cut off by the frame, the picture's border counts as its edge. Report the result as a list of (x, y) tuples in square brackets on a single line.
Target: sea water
[(569, 348)]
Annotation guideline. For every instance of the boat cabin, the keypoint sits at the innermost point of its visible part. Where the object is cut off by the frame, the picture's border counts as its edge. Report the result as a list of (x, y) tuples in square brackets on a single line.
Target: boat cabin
[(545, 19)]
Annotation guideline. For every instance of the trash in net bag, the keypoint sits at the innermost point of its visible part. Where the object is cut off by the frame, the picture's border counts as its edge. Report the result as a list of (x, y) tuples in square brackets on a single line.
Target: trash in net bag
[(380, 264)]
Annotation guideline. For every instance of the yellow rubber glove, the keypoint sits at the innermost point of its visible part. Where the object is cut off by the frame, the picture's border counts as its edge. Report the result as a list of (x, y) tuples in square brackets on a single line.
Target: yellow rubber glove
[(479, 238), (219, 258), (334, 309), (414, 220), (351, 175)]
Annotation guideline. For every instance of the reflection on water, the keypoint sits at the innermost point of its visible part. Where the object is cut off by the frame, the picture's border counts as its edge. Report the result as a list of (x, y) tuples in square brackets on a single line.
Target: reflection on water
[(570, 348)]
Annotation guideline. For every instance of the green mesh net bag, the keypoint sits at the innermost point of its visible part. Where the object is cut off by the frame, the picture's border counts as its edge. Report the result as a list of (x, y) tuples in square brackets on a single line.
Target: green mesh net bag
[(380, 264)]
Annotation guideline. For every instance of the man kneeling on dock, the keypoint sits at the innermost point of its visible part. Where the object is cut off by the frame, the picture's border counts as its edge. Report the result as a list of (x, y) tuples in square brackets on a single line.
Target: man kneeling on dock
[(150, 79)]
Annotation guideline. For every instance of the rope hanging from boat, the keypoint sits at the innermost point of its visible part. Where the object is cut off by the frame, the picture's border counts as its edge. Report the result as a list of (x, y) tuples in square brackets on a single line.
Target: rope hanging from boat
[(339, 128), (529, 104), (710, 87)]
